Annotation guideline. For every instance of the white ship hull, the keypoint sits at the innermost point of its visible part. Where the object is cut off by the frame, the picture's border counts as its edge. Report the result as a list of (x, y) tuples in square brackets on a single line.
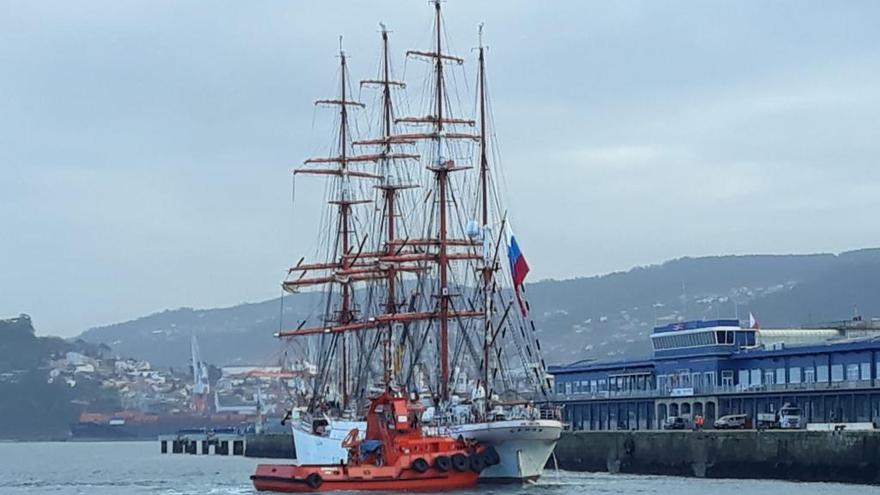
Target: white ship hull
[(523, 445), (326, 449)]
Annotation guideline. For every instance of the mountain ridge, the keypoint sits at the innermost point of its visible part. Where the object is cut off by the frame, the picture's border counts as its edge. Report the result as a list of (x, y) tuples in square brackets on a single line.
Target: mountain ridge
[(601, 317)]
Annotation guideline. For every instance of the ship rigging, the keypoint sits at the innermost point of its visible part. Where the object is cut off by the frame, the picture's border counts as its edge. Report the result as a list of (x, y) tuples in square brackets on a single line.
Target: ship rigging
[(413, 271)]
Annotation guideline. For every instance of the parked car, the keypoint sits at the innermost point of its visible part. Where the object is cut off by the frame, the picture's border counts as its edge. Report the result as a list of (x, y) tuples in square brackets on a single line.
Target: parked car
[(786, 418), (732, 422), (675, 423)]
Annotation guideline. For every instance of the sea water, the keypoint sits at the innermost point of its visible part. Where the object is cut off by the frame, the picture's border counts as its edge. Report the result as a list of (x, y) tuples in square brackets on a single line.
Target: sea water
[(115, 468)]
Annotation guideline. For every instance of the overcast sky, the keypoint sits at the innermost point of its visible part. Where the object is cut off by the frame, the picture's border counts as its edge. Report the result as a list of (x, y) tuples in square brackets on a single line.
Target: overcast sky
[(145, 146)]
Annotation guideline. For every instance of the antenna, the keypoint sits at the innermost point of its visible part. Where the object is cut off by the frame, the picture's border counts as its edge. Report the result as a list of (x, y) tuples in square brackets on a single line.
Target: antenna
[(684, 301)]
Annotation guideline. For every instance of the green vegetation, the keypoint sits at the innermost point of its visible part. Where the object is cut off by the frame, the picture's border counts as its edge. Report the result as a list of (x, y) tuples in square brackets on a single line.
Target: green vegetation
[(32, 404)]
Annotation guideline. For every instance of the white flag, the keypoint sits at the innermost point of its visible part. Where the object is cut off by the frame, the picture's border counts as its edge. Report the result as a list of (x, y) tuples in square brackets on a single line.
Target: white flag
[(753, 323)]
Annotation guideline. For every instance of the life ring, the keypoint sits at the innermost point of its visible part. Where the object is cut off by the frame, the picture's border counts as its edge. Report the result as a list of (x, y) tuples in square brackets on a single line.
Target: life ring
[(314, 481), (419, 465), (442, 463), (460, 462), (350, 440)]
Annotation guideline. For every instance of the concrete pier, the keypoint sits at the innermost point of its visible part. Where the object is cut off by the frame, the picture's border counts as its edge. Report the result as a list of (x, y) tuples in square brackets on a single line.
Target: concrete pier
[(844, 456), (189, 443), (270, 445)]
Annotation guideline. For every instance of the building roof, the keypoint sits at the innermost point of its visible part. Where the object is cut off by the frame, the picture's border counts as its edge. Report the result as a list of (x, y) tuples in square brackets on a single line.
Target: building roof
[(849, 345), (601, 366), (696, 324)]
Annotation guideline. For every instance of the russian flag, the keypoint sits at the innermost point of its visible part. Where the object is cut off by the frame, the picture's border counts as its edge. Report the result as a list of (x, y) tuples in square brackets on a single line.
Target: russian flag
[(519, 268)]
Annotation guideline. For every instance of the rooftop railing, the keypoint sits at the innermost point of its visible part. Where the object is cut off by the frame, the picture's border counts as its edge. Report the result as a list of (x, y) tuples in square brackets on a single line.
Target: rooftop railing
[(686, 391)]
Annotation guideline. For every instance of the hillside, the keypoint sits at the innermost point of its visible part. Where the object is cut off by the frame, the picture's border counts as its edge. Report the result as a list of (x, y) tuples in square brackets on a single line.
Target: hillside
[(32, 405), (602, 317)]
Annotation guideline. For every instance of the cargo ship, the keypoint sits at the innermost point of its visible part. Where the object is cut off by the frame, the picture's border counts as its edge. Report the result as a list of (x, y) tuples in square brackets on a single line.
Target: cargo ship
[(130, 425)]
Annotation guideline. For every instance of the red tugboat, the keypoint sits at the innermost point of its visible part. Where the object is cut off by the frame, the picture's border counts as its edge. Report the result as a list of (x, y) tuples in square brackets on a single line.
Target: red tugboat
[(395, 455)]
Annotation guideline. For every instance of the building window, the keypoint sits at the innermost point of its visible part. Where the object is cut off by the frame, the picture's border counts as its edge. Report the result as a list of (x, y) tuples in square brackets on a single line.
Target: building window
[(755, 377), (768, 377), (822, 373), (567, 388), (780, 376), (865, 371), (594, 387), (809, 375), (852, 372), (743, 378), (836, 372), (794, 374), (727, 378), (710, 378)]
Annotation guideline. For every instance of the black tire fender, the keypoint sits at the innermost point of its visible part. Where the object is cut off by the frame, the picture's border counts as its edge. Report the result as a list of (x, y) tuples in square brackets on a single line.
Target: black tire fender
[(419, 465), (460, 462), (477, 463), (442, 463), (491, 457), (314, 481)]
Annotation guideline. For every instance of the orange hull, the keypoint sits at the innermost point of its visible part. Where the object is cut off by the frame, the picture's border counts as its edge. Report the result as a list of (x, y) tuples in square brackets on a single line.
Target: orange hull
[(295, 479)]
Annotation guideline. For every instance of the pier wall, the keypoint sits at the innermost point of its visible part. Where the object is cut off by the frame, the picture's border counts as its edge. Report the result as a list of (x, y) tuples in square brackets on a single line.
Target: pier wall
[(270, 445), (850, 457)]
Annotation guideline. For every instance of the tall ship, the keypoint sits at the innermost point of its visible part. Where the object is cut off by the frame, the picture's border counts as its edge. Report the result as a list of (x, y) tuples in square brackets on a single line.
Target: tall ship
[(420, 275)]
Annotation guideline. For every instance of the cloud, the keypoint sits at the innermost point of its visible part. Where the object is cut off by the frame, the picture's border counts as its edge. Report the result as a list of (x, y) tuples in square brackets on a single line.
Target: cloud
[(145, 148)]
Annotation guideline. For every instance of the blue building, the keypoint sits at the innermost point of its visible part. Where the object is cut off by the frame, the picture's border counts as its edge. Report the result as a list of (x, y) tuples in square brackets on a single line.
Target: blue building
[(713, 368)]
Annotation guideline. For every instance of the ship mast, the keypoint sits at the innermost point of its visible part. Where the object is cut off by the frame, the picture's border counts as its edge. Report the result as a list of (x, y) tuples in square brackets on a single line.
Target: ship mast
[(345, 262), (488, 268), (345, 312), (389, 195), (400, 256), (441, 169), (442, 261)]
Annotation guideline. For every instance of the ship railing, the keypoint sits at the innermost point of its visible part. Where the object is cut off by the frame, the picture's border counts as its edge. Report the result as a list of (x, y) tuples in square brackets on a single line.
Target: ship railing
[(606, 394), (548, 412)]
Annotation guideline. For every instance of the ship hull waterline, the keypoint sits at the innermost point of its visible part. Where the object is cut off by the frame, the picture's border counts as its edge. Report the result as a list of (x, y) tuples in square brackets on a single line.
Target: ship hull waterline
[(286, 479)]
